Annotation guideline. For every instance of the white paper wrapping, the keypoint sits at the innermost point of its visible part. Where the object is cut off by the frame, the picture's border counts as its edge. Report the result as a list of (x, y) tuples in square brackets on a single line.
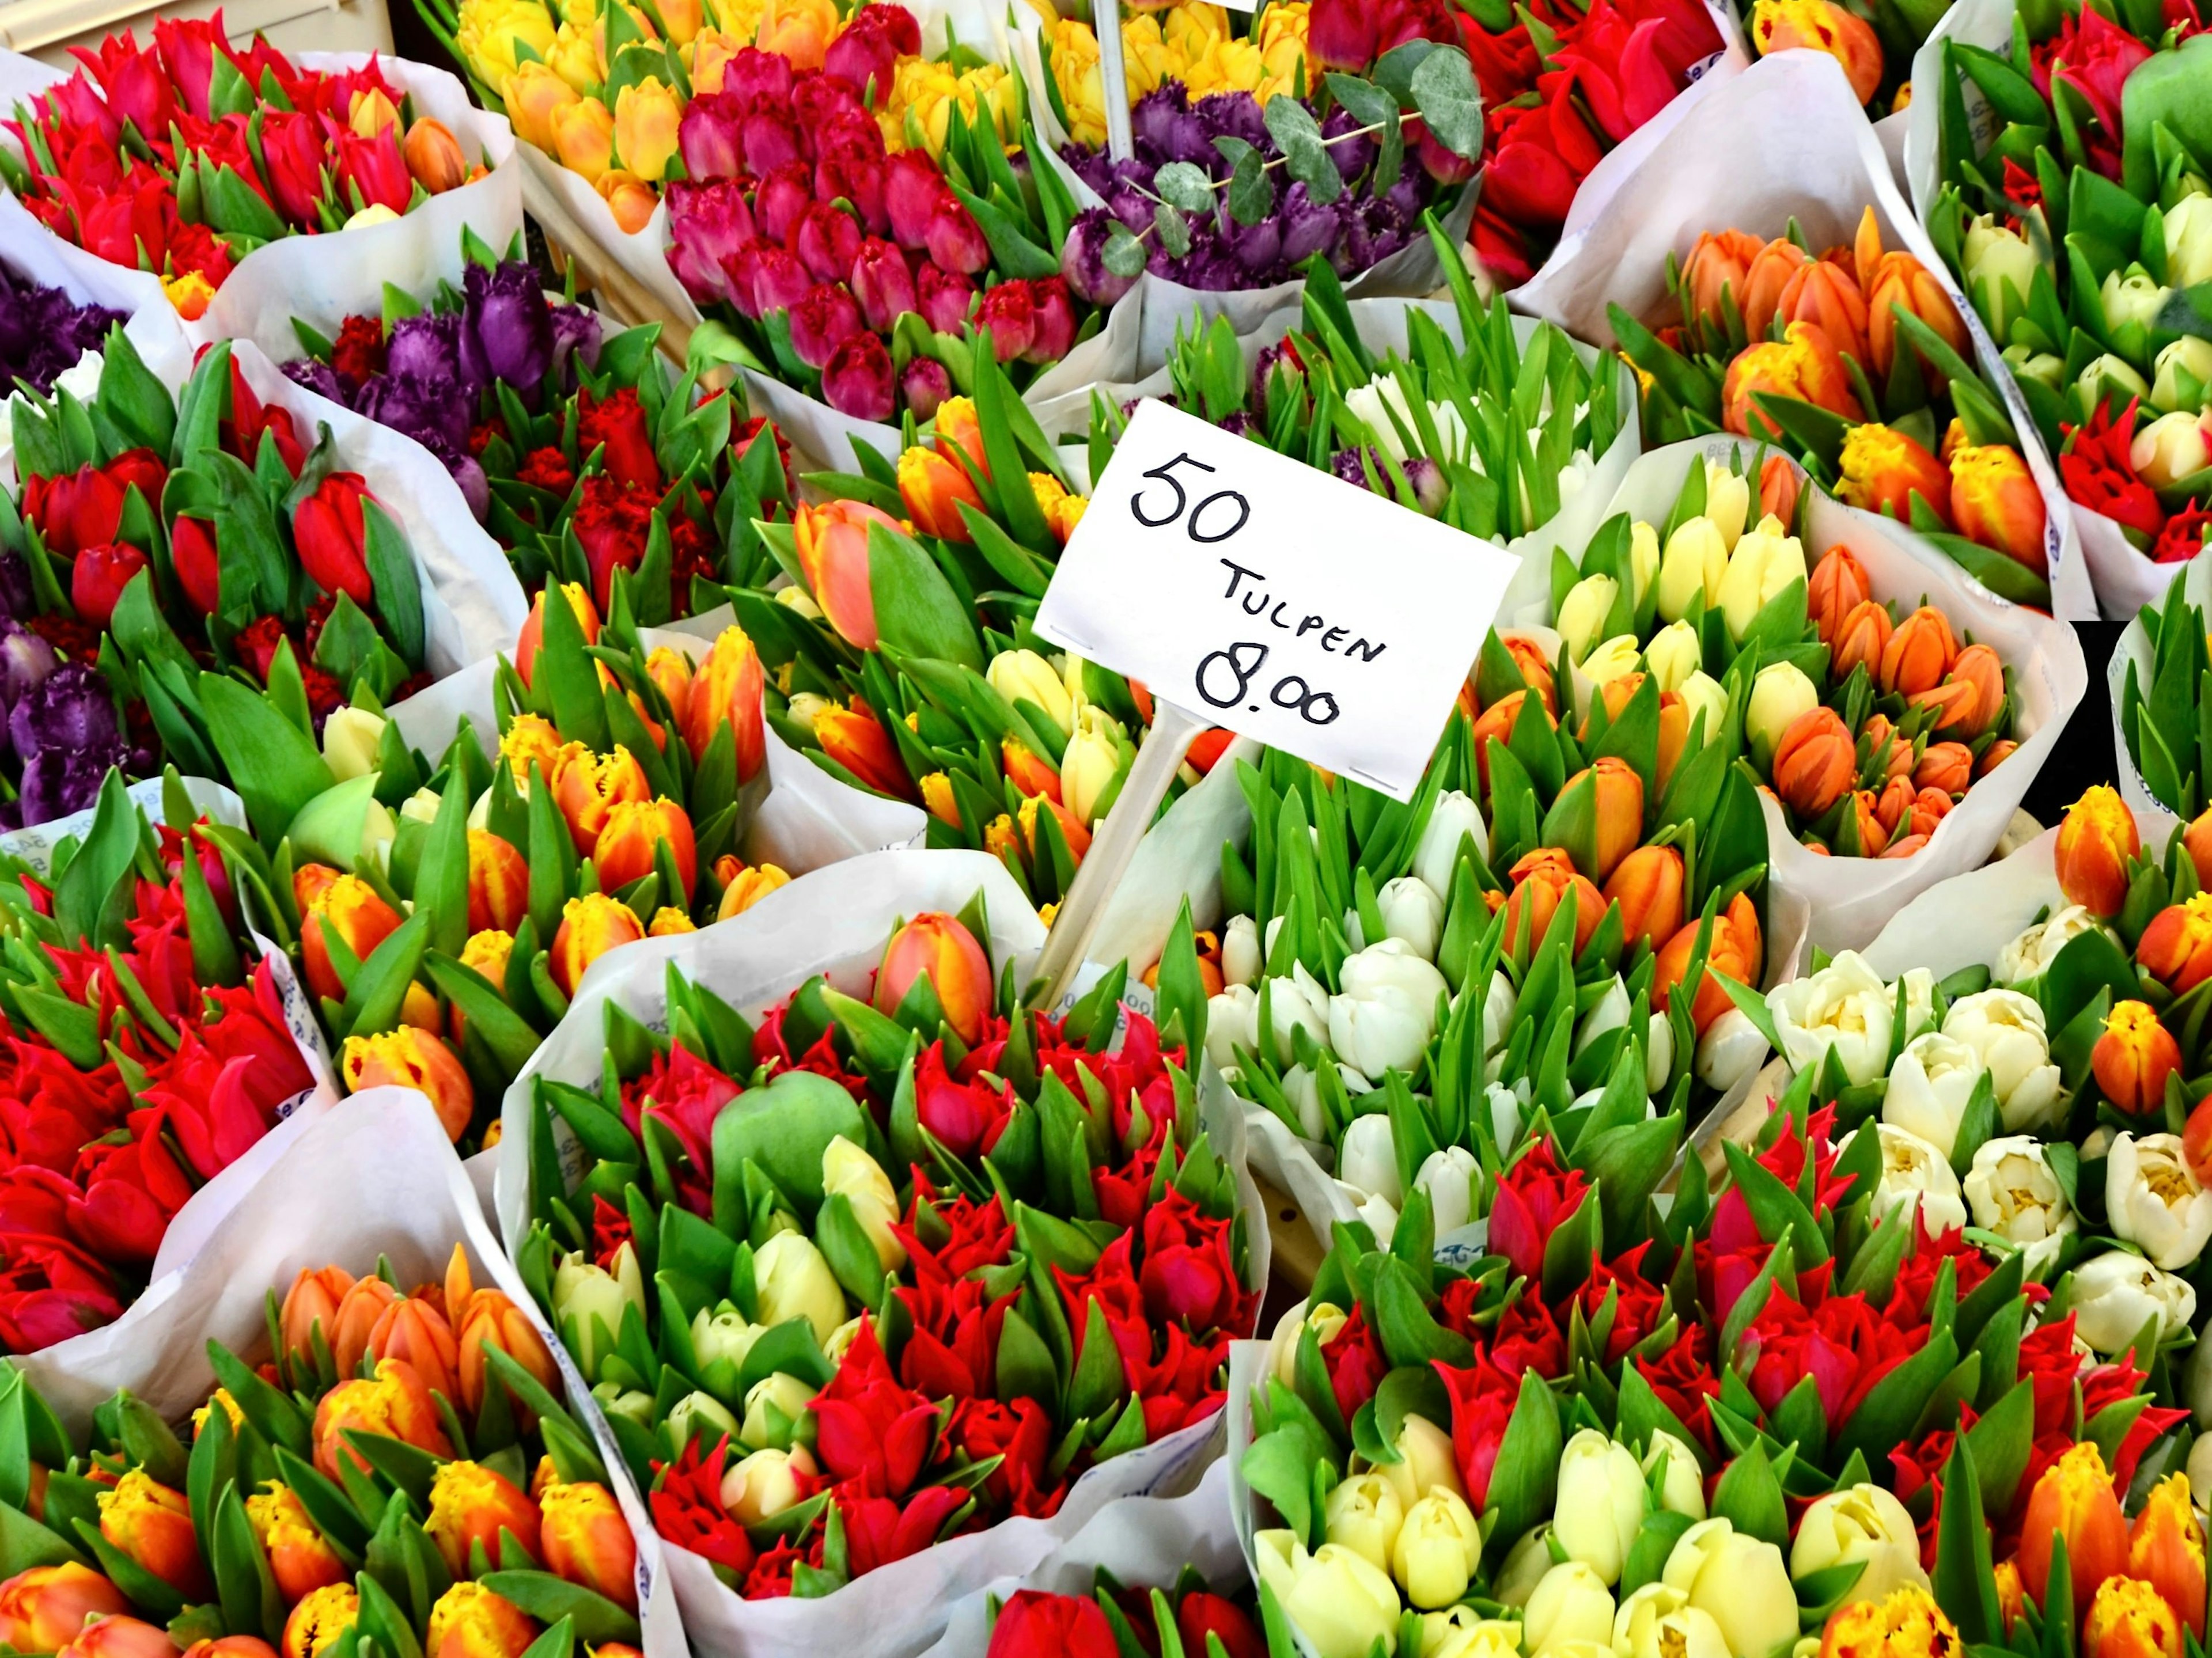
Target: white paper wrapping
[(373, 1177), (834, 923), (1144, 1541), (1851, 898), (31, 250), (300, 275), (1817, 161), (2133, 648)]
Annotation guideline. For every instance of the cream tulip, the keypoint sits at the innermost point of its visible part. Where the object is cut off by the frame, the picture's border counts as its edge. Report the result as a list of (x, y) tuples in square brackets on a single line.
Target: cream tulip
[(1614, 660), (1658, 1621), (1728, 501), (1570, 1604), (1018, 674), (1426, 1462), (1917, 1177), (2004, 1028), (1846, 1006), (766, 1483), (1583, 614), (1863, 1522), (775, 1406), (1461, 1632), (2012, 1192), (698, 1414), (1780, 693), (2154, 1201), (2116, 1294), (1683, 1490), (1673, 655), (1761, 569), (1643, 561), (1739, 1580), (2171, 448), (721, 1332), (2037, 948), (1363, 1515), (351, 736), (1324, 1320), (2188, 228), (2182, 376), (1704, 695), (1437, 1549), (1601, 1503), (1340, 1603), (1691, 569), (850, 1173), (1524, 1566), (793, 1280), (1929, 1087)]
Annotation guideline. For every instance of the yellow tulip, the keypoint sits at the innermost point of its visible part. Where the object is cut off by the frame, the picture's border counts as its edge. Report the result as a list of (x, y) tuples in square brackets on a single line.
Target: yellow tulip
[(584, 137), (646, 118), (1075, 72), (489, 30), (533, 94)]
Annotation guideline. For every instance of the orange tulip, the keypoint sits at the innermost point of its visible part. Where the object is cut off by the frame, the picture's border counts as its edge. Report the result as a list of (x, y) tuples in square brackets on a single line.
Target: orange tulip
[(1948, 767), (1882, 470), (2196, 842), (1899, 281), (1804, 365), (153, 1525), (853, 738), (589, 787), (1674, 736), (412, 1058), (433, 156), (2133, 1059), (1920, 652), (413, 1329), (590, 926), (471, 1505), (1861, 639), (348, 905), (1838, 586), (499, 883), (358, 1310), (1906, 1622), (1881, 738), (531, 739), (934, 489), (1994, 502), (1820, 26), (832, 546), (1929, 808), (631, 200), (312, 1300), (319, 1619), (1540, 881), (1716, 265), (394, 1402), (957, 431), (2167, 1551), (1618, 829), (728, 689), (1971, 696), (1893, 804), (1872, 836), (938, 946), (1496, 726), (588, 1542), (1647, 886), (938, 800), (1780, 478), (230, 1646), (300, 1557), (119, 1637), (800, 30), (2176, 948), (1763, 280), (1073, 829), (1536, 672), (745, 888), (1815, 762), (628, 843), (486, 953), (533, 625), (671, 671), (1026, 771), (2096, 843), (489, 1318), (1735, 950), (42, 1607), (1827, 296), (2130, 1619), (2011, 1598)]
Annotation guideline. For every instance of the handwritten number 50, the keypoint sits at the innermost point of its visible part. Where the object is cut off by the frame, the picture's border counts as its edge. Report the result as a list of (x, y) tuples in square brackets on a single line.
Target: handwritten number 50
[(1164, 472)]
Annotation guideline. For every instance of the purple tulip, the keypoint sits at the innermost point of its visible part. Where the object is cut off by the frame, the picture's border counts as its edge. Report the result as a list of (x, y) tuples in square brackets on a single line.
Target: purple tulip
[(1350, 465), (1258, 248), (1239, 424), (1308, 228), (912, 184), (43, 331), (858, 379), (707, 224), (1054, 335), (72, 708), (1209, 266), (15, 584), (753, 74), (425, 347), (420, 408), (944, 297), (1352, 157), (1166, 130), (771, 142), (322, 379), (882, 284), (1405, 196), (822, 321), (575, 338), (782, 200), (1372, 232), (923, 385), (1272, 362), (780, 282), (506, 327), (954, 240), (467, 473), (826, 242), (60, 781), (26, 662), (1132, 205), (1083, 260), (711, 136), (1233, 115), (1431, 491)]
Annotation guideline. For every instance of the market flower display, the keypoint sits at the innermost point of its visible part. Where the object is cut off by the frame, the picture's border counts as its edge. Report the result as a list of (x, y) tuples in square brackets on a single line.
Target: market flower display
[(180, 570), (1854, 359), (147, 1052), (184, 156), (845, 1365), (396, 1468), (2093, 320)]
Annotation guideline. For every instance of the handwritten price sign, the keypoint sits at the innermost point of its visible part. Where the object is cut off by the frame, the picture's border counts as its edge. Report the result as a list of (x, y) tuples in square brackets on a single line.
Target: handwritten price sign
[(1256, 592)]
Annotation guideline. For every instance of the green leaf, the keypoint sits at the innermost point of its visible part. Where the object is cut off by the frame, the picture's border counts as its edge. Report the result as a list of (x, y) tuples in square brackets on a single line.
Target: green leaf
[(273, 764)]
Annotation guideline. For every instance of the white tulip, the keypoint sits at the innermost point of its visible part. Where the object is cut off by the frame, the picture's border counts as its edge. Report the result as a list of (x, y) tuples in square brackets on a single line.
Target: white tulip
[(1601, 1503), (700, 1413), (2183, 374), (1683, 1490), (1673, 655), (2036, 949), (774, 1407), (2113, 376), (1507, 1109), (1659, 1051), (1928, 1088), (2171, 448), (351, 736), (1730, 1050), (1570, 1604), (1610, 1013), (1915, 1176), (1363, 1515), (1387, 1009), (1412, 914), (721, 1332), (2131, 294), (2188, 226), (1369, 1158), (1846, 1006), (1302, 1090), (1338, 1601), (1324, 1320), (1862, 1522), (1377, 1211), (849, 1172), (2154, 1201), (1436, 855), (1499, 1001), (1438, 1549), (765, 1483), (1740, 1581), (1657, 1621), (2116, 1294), (2012, 1193), (1241, 960), (2005, 1030), (1233, 1021), (1447, 1175), (1300, 1003)]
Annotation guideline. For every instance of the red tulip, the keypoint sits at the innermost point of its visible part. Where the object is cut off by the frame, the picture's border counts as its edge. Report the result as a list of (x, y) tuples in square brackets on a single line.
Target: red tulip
[(859, 379), (100, 575), (953, 238), (329, 530), (945, 298), (377, 168), (1006, 310), (882, 284), (912, 184)]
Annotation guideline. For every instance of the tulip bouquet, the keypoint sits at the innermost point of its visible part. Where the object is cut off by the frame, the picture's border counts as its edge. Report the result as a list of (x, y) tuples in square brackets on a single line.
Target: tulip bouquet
[(43, 332), (148, 519), (145, 1057), (838, 1370), (1781, 1419), (183, 157), (2157, 698), (443, 912), (1855, 360), (1198, 204), (1494, 428), (397, 1470), (1188, 1618), (2093, 308)]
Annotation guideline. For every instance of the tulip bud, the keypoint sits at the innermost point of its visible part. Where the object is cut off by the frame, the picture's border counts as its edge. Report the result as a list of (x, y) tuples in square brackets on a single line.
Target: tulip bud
[(774, 1407), (934, 489), (590, 926), (939, 948), (412, 1058), (1647, 886), (43, 1607), (1865, 1523), (349, 907), (329, 530), (433, 156), (1683, 1490), (2183, 374), (765, 1483), (1341, 1603), (590, 1303), (1435, 856), (1568, 1610), (628, 843), (2133, 1058), (1016, 675), (2167, 1551), (1838, 586), (2132, 296), (748, 888), (1601, 1503), (795, 1281), (2171, 448), (1692, 570), (470, 1506), (587, 1542), (2073, 1499), (1882, 470), (1436, 1550), (1583, 614), (1781, 694), (319, 1618), (469, 1621), (1090, 764), (2000, 268), (153, 1525), (1739, 1580), (119, 1637), (351, 740), (2097, 840), (1673, 655), (849, 1172), (1764, 564)]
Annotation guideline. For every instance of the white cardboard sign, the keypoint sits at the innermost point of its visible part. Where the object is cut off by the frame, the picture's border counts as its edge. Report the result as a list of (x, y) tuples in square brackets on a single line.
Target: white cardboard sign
[(1255, 592)]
